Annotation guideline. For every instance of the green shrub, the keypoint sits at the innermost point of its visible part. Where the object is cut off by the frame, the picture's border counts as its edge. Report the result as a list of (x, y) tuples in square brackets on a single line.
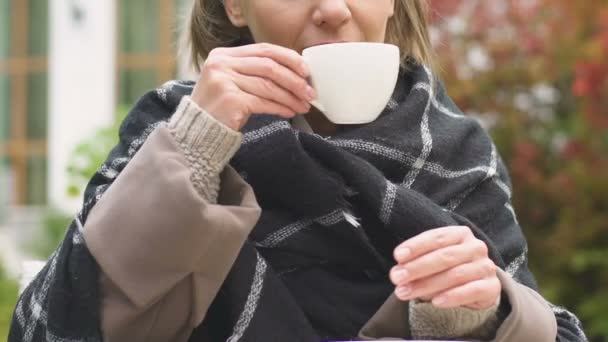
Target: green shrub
[(86, 158), (84, 162), (89, 155), (54, 226), (544, 91), (8, 298)]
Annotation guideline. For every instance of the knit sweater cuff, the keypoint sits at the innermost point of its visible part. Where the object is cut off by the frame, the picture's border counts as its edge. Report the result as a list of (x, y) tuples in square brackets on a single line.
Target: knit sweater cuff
[(199, 130), (207, 144), (428, 321)]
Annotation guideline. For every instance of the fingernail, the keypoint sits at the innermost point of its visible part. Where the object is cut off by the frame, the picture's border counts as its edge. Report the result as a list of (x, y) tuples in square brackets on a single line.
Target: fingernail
[(438, 301), (400, 275), (403, 291), (402, 253), (311, 94), (304, 69), (306, 107)]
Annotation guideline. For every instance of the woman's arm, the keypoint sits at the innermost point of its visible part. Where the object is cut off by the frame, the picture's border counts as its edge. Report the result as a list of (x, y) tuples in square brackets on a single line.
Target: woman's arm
[(529, 319), (164, 247), (487, 211), (165, 189)]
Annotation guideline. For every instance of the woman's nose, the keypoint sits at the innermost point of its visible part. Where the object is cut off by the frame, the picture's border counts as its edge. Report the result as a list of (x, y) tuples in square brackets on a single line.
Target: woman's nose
[(333, 13)]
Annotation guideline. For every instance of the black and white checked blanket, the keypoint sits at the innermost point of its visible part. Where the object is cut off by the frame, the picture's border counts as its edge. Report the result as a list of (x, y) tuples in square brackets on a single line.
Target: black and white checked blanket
[(315, 266)]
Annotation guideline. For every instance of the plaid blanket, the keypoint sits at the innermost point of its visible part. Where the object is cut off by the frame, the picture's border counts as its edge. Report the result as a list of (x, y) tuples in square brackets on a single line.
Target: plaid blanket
[(315, 265)]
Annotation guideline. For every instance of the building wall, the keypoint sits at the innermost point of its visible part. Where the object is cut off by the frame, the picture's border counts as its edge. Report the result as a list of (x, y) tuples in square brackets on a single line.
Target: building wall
[(66, 69), (82, 60)]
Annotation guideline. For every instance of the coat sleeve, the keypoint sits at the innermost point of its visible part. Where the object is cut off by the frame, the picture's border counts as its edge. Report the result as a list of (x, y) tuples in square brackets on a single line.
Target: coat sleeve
[(162, 240), (530, 317), (162, 248), (156, 238)]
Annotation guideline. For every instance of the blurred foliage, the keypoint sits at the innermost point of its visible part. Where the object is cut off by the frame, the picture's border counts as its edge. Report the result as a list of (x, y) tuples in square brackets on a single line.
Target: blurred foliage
[(55, 224), (536, 74), (86, 158), (91, 153), (8, 298), (84, 162)]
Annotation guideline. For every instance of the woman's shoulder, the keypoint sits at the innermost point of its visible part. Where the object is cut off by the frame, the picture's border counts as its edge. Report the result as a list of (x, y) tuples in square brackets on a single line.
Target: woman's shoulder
[(169, 93), (155, 106), (174, 89)]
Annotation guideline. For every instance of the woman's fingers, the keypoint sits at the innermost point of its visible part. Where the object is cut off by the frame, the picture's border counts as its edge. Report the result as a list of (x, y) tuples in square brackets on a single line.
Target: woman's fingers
[(439, 260), (426, 288), (269, 90), (448, 265), (477, 295), (282, 55), (236, 82), (268, 68), (429, 241), (257, 104)]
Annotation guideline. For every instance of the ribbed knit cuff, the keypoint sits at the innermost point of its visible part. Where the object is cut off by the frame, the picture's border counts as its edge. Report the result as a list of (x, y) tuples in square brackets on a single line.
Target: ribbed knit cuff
[(428, 321), (198, 129), (207, 144)]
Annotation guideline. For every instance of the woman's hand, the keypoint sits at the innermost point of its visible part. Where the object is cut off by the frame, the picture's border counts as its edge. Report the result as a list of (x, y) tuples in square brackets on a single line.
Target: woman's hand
[(258, 78), (447, 266)]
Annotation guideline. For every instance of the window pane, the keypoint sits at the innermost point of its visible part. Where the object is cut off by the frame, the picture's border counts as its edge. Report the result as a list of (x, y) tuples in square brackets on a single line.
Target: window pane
[(5, 27), (38, 27), (6, 184), (139, 26), (36, 180), (37, 106), (5, 106), (134, 83)]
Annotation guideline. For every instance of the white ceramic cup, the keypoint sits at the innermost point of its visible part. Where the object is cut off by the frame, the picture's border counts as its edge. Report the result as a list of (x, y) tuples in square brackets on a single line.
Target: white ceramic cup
[(354, 81)]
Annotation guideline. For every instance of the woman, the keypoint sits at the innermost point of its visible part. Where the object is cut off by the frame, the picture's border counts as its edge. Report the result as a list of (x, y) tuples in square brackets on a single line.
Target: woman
[(401, 228)]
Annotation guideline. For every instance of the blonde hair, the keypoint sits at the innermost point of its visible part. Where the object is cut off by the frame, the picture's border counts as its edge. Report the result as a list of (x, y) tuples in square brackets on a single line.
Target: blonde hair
[(209, 28)]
